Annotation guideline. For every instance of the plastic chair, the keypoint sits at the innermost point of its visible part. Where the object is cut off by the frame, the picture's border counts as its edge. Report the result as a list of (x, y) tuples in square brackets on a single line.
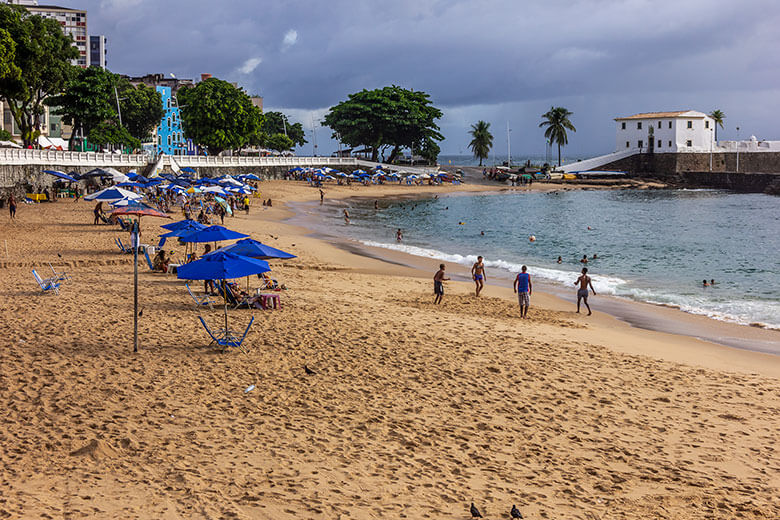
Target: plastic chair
[(48, 284)]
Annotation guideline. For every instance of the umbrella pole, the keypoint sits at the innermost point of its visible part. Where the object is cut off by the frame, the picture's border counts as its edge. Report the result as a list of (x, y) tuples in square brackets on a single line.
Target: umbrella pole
[(224, 293), (137, 226)]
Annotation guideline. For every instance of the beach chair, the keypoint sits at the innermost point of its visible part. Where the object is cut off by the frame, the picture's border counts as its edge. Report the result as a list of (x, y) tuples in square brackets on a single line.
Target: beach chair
[(122, 246), (119, 245), (60, 277), (48, 284), (226, 338), (149, 261), (200, 301), (234, 304)]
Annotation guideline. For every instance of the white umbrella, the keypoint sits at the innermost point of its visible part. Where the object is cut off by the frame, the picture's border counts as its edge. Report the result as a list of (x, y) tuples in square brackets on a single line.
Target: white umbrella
[(112, 194)]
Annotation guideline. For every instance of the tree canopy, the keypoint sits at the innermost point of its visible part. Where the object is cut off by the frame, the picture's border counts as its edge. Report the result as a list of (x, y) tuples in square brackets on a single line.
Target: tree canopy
[(109, 133), (42, 56), (279, 143), (86, 101), (390, 117), (8, 69), (219, 116), (557, 122), (142, 109), (277, 123), (482, 140)]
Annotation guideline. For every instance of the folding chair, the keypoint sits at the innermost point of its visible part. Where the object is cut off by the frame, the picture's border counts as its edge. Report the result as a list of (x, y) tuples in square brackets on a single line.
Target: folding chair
[(227, 339), (148, 261), (200, 301), (59, 276), (48, 284)]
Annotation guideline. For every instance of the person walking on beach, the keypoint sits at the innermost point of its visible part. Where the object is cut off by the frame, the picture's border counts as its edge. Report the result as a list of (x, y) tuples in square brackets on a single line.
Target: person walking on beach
[(479, 274), (322, 197), (438, 285), (582, 293), (12, 206), (523, 288), (98, 211)]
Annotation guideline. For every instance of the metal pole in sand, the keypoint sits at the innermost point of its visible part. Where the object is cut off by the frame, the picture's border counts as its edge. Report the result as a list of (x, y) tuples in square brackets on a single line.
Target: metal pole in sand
[(136, 227)]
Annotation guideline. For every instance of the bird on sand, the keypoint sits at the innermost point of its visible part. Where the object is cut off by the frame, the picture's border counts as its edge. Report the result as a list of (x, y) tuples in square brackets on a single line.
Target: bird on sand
[(309, 371), (515, 512), (475, 512)]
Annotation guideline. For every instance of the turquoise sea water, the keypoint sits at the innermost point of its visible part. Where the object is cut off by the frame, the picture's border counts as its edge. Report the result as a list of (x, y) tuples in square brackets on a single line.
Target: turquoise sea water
[(652, 246)]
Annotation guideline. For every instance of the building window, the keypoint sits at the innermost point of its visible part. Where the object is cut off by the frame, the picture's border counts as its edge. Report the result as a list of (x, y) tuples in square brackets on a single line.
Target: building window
[(53, 127), (670, 124), (660, 143), (670, 144), (169, 140), (623, 125), (628, 145), (639, 125), (659, 124), (706, 124), (640, 143), (169, 122), (689, 143), (690, 124)]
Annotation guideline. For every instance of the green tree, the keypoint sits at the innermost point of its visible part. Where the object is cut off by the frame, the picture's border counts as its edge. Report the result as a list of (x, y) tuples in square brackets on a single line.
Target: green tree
[(279, 143), (8, 69), (109, 133), (482, 140), (557, 122), (277, 123), (142, 109), (5, 135), (43, 55), (391, 117), (219, 116), (87, 100), (429, 150), (718, 117)]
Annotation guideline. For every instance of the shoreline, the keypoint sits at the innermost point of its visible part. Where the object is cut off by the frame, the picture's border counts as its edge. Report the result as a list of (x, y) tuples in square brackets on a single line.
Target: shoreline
[(638, 314)]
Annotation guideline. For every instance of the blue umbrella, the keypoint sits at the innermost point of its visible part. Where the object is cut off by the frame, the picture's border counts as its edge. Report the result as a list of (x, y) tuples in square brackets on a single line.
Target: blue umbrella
[(112, 194), (213, 234), (188, 169), (183, 231), (173, 226), (222, 265), (254, 249), (131, 185), (61, 175)]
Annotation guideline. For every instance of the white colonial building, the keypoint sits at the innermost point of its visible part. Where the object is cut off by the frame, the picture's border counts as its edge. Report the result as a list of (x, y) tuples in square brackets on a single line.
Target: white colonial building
[(684, 131)]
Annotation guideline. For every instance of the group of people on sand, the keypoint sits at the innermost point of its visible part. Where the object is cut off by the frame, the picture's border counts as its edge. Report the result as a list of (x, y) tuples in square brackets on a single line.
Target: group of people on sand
[(522, 285)]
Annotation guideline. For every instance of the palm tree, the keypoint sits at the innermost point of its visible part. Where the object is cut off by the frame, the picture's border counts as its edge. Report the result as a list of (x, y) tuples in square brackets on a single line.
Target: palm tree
[(718, 117), (482, 140), (557, 122)]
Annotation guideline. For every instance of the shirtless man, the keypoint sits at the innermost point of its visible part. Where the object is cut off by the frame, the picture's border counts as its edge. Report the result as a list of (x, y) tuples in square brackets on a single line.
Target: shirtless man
[(582, 293), (479, 274), (438, 286)]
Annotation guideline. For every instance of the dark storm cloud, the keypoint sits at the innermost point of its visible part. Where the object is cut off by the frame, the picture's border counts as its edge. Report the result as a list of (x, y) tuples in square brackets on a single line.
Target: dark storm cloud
[(487, 59)]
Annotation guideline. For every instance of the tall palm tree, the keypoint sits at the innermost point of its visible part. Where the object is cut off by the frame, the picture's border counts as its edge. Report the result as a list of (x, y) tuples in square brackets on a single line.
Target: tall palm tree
[(718, 116), (482, 140), (557, 122)]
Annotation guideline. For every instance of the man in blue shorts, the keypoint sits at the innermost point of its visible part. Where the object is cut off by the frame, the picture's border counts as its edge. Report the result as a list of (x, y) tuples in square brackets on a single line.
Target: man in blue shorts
[(438, 284), (523, 288), (479, 274)]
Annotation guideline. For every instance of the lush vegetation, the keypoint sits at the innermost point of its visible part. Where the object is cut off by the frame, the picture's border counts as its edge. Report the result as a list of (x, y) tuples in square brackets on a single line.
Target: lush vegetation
[(557, 122), (390, 118), (219, 116), (276, 126), (481, 140), (37, 66), (718, 116)]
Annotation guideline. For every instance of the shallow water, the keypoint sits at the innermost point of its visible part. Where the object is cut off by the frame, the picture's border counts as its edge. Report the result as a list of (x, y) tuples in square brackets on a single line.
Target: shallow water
[(652, 246)]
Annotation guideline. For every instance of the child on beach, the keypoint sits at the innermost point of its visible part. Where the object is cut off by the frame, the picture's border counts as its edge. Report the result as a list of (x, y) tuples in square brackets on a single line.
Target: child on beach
[(438, 285)]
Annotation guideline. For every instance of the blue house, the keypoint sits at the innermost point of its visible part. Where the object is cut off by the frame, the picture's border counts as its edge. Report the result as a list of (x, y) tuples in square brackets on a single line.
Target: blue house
[(170, 138)]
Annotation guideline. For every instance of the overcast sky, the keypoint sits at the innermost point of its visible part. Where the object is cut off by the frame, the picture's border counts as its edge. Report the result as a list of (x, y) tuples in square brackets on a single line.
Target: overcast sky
[(497, 60)]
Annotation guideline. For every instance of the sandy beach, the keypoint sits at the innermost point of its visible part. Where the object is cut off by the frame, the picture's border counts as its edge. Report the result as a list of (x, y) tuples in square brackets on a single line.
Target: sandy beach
[(415, 410)]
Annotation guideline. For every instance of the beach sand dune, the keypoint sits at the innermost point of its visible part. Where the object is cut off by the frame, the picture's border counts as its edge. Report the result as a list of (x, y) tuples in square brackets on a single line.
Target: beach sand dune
[(415, 411)]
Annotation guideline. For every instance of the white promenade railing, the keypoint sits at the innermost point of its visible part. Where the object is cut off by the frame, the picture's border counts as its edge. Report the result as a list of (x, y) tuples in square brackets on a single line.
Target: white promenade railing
[(16, 156), (239, 160)]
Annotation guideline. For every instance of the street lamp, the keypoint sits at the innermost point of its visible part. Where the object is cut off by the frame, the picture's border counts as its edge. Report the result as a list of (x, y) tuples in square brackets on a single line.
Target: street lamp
[(711, 138), (737, 149)]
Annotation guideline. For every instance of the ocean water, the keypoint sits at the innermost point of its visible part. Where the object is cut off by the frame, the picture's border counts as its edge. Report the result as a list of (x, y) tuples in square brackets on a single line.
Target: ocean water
[(652, 246), (498, 159)]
